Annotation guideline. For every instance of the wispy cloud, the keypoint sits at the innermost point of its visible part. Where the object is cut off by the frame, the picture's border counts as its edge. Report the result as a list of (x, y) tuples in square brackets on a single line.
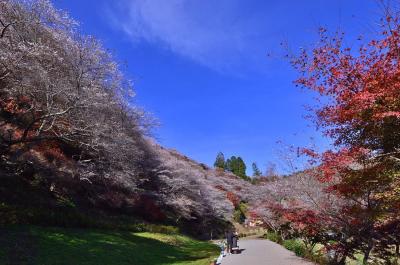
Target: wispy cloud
[(215, 34)]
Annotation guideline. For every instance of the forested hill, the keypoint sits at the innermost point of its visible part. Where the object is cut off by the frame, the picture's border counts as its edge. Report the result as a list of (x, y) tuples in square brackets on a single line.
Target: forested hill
[(72, 142)]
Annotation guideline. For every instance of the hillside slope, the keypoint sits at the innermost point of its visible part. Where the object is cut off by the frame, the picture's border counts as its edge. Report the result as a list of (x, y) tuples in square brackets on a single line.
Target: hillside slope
[(200, 195), (75, 151)]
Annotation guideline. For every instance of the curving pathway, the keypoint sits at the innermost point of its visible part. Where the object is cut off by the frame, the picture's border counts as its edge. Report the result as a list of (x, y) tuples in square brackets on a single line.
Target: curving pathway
[(263, 252)]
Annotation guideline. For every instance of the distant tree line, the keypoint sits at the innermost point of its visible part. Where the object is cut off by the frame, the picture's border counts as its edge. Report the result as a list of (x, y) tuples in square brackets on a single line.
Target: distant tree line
[(236, 165)]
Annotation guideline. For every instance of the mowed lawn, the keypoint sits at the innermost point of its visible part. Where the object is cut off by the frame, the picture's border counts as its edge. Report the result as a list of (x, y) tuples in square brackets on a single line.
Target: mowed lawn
[(58, 246)]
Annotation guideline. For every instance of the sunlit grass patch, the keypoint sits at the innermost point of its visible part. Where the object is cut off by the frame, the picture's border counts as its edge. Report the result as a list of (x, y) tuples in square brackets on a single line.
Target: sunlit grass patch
[(58, 246)]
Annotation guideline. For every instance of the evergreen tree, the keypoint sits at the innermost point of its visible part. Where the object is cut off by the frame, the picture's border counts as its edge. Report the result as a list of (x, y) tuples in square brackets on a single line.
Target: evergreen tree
[(237, 166), (256, 170), (241, 168), (231, 164), (220, 161)]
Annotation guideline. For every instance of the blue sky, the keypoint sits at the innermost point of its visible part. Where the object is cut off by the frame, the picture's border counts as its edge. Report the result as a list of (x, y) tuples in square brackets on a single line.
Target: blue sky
[(212, 72)]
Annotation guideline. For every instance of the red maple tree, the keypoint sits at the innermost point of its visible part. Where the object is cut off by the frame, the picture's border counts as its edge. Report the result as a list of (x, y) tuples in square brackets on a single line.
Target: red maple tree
[(361, 112)]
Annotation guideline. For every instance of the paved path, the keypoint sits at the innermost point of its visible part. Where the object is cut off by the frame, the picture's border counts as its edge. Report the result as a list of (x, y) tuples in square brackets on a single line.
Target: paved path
[(262, 252)]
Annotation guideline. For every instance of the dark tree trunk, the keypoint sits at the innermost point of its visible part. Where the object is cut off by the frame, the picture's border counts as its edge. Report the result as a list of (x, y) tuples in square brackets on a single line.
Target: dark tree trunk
[(366, 257), (367, 252)]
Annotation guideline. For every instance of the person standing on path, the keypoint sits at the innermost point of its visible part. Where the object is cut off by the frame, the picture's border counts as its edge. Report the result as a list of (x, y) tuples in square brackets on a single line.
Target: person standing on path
[(235, 238), (263, 252), (229, 240)]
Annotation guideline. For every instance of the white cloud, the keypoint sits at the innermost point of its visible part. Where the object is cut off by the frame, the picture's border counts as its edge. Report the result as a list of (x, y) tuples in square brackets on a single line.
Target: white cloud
[(213, 33)]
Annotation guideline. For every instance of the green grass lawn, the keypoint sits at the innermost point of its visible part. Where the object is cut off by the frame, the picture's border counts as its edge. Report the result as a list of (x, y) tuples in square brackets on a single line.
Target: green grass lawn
[(59, 246), (357, 261)]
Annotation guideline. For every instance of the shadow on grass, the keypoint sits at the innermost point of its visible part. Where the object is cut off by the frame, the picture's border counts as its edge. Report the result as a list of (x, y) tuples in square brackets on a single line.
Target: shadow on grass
[(17, 247), (54, 246)]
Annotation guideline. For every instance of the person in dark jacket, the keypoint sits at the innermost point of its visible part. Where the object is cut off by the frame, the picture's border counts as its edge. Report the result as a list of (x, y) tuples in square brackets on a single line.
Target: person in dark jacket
[(229, 241), (235, 240)]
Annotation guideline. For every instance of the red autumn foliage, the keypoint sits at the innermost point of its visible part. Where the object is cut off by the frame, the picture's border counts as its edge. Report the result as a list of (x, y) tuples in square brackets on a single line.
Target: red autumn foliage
[(362, 86), (15, 105), (304, 221), (233, 198), (361, 89), (52, 151), (220, 187)]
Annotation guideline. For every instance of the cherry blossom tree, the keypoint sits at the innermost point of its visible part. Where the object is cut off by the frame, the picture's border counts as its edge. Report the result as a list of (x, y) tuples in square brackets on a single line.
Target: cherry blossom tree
[(59, 86)]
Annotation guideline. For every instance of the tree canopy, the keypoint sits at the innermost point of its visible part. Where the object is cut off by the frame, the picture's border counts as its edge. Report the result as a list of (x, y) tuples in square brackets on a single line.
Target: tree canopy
[(256, 171), (361, 89), (237, 166), (220, 161)]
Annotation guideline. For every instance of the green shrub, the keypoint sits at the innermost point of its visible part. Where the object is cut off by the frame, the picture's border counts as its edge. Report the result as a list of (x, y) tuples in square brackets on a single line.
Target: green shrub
[(296, 246), (163, 229), (239, 215), (273, 236), (318, 258)]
